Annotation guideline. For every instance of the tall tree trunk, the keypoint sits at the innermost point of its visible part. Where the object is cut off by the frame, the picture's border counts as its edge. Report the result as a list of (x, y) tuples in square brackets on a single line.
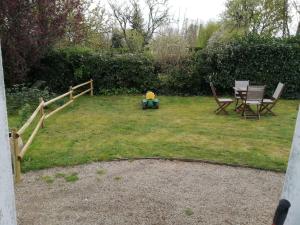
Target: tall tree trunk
[(298, 29), (285, 25)]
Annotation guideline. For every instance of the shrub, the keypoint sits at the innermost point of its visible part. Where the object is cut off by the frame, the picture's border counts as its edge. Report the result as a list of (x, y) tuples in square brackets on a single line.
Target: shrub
[(24, 113), (169, 50), (182, 79), (23, 99), (260, 60), (66, 67)]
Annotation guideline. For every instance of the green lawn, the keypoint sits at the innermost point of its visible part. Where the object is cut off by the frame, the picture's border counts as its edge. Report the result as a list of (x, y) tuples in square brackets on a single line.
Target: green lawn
[(105, 128)]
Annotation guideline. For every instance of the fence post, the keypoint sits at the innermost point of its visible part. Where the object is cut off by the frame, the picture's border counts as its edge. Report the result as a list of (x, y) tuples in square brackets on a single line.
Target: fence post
[(17, 161), (92, 87), (42, 112), (71, 93)]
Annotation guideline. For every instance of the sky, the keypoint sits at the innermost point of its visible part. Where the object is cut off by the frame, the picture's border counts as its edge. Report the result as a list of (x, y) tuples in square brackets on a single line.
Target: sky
[(206, 10), (201, 10)]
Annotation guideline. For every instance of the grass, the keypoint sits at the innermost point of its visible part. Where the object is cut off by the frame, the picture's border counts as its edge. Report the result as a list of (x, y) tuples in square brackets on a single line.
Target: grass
[(60, 175), (48, 179), (105, 128), (118, 178), (101, 171), (73, 177), (188, 212)]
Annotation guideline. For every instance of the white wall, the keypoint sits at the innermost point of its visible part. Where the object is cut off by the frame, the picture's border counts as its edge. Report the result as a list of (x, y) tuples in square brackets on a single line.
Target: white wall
[(291, 189), (7, 195)]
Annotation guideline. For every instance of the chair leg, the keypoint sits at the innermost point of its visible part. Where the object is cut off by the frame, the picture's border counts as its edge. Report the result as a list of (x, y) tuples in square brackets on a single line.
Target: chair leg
[(263, 108), (222, 108), (252, 112), (267, 108), (260, 110), (244, 108), (236, 104), (271, 112)]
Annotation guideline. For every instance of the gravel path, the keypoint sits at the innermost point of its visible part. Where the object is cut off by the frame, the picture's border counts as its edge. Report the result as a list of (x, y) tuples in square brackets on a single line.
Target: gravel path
[(149, 192)]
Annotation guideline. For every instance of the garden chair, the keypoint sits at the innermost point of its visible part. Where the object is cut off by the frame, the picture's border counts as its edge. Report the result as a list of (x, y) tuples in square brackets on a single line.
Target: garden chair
[(268, 104), (239, 84), (223, 103), (254, 96)]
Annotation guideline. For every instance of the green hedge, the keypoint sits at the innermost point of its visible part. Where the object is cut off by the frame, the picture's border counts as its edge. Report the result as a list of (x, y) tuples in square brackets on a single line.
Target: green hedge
[(261, 60), (182, 79), (66, 67)]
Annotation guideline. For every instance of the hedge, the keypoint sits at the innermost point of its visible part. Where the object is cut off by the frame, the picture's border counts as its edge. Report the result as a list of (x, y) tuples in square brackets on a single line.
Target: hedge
[(182, 79), (65, 67), (262, 61)]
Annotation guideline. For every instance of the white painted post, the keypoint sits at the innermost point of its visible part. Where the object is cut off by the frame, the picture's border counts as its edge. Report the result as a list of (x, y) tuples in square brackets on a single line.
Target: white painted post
[(291, 189), (7, 195)]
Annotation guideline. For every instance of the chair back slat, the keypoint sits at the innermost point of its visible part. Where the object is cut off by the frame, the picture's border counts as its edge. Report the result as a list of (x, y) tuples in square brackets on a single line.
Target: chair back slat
[(255, 93), (241, 84), (278, 91), (213, 90)]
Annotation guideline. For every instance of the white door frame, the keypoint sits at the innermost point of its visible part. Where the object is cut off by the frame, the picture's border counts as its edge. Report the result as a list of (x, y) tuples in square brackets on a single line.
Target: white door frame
[(7, 193)]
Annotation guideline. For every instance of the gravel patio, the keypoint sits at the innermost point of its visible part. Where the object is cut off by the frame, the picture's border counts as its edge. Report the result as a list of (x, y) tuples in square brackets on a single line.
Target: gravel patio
[(149, 192)]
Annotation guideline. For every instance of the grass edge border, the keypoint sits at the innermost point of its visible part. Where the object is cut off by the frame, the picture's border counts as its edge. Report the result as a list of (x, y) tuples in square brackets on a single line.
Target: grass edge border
[(171, 159)]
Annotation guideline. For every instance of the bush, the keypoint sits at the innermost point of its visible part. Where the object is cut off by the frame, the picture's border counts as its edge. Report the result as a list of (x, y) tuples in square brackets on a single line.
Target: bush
[(24, 113), (260, 60), (182, 79), (23, 99), (66, 67)]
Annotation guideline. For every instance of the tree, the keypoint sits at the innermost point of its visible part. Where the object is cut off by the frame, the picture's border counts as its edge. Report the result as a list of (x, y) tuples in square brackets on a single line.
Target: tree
[(191, 34), (263, 17), (169, 48), (285, 19), (206, 31), (29, 28), (158, 15), (136, 19), (93, 32), (117, 39), (129, 17), (297, 8), (135, 40)]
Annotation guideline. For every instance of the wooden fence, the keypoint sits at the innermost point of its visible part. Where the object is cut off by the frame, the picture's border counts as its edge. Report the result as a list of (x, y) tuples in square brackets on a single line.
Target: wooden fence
[(20, 150)]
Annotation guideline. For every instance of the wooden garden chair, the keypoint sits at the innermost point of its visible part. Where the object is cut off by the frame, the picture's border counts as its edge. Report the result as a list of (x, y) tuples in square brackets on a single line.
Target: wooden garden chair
[(268, 104), (223, 103), (242, 85), (254, 96)]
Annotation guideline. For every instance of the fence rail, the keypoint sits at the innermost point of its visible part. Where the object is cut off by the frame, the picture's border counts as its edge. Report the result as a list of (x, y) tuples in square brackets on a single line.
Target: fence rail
[(57, 98), (20, 151), (31, 118)]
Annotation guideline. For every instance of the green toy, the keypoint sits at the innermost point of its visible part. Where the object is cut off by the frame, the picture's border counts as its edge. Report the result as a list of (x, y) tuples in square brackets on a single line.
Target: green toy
[(150, 102)]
